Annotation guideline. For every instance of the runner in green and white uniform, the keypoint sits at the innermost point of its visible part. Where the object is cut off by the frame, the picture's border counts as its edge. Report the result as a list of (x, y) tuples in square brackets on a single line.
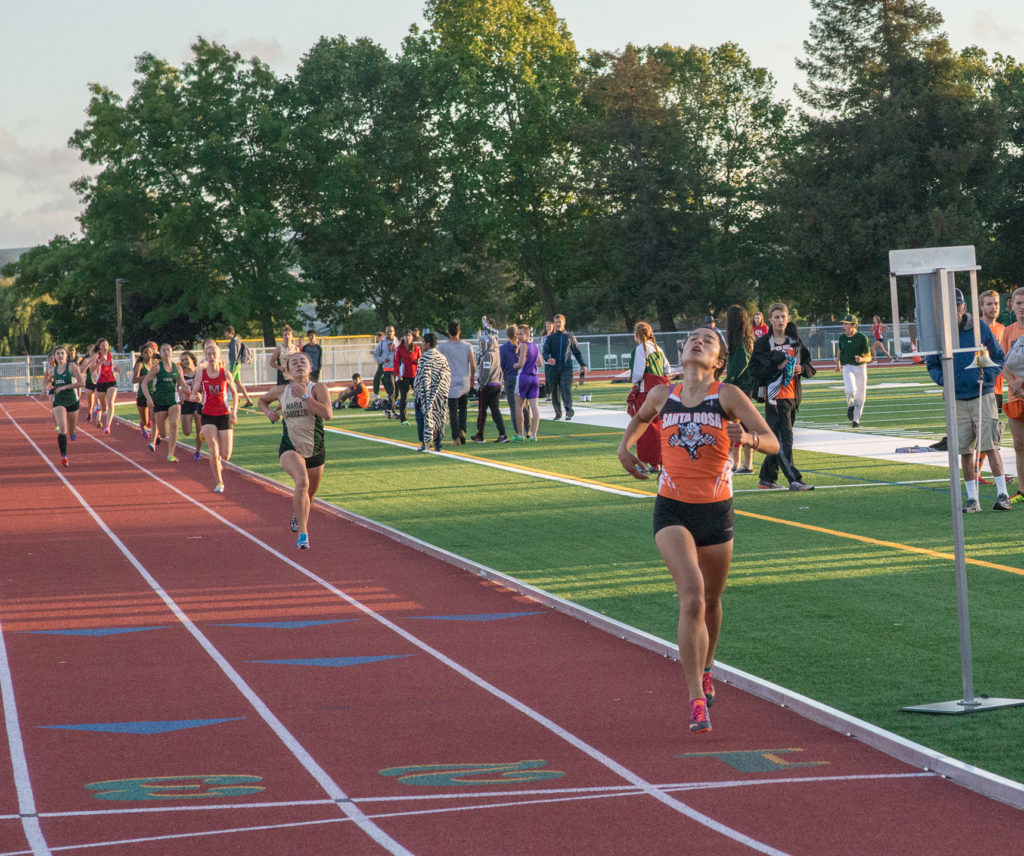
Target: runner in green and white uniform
[(161, 387), (63, 380), (304, 407)]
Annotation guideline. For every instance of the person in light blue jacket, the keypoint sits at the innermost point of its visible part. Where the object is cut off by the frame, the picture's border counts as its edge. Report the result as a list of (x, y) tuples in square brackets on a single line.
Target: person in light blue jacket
[(977, 417)]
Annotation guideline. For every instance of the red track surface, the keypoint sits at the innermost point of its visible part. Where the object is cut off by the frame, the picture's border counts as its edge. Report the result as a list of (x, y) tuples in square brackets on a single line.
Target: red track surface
[(405, 727)]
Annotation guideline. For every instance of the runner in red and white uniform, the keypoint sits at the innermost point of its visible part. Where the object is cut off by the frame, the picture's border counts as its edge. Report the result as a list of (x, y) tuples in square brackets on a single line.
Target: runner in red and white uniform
[(106, 383), (693, 520), (212, 386)]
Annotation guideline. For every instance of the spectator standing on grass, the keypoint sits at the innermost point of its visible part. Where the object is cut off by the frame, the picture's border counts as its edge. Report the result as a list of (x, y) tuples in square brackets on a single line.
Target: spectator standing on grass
[(701, 419), (315, 352), (559, 348), (488, 385), (235, 361), (778, 361), (989, 313), (378, 374), (549, 383), (853, 353), (977, 420), (758, 326), (508, 354), (430, 394), (527, 386), (407, 357), (463, 365), (279, 358), (1014, 405), (648, 370), (384, 354), (739, 337)]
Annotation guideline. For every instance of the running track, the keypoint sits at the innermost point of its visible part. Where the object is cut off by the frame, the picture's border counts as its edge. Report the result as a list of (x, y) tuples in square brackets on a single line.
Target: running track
[(176, 678)]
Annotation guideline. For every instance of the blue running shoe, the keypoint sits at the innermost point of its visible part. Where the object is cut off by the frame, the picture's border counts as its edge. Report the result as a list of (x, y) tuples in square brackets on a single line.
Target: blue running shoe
[(303, 542)]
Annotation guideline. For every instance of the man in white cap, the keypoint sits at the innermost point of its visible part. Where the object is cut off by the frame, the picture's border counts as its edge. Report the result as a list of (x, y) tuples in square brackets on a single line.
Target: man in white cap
[(853, 353)]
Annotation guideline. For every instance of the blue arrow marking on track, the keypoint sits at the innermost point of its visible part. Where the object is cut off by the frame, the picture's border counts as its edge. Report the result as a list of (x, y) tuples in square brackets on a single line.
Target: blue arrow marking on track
[(143, 727), (336, 662), (493, 616), (285, 625), (96, 631)]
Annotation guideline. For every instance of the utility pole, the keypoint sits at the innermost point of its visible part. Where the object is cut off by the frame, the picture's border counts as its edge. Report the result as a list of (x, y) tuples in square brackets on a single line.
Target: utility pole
[(120, 325)]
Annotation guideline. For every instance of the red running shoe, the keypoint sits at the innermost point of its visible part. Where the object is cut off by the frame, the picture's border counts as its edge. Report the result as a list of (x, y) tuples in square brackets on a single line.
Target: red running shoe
[(708, 686), (699, 722)]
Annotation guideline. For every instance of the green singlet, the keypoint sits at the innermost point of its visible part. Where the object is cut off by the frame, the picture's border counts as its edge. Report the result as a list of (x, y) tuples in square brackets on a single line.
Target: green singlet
[(66, 397), (165, 386)]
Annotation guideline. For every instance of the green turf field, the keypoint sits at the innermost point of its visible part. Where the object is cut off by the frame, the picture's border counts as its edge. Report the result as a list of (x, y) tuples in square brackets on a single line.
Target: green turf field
[(816, 601)]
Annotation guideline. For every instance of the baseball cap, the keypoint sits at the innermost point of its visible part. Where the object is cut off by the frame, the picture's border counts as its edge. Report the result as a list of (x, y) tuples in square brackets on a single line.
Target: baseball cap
[(959, 296), (850, 319)]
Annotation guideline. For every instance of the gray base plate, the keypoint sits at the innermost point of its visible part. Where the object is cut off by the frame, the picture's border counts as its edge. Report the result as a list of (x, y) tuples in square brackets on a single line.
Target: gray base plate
[(959, 707)]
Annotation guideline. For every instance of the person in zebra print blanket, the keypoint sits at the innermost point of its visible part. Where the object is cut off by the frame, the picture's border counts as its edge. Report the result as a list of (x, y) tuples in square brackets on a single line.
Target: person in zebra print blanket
[(430, 394)]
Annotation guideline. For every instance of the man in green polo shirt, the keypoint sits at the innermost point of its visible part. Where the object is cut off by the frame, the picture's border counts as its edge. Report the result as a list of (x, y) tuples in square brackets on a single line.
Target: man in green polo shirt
[(853, 353)]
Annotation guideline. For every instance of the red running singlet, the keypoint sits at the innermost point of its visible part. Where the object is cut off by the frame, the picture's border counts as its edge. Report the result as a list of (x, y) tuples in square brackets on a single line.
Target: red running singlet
[(215, 394)]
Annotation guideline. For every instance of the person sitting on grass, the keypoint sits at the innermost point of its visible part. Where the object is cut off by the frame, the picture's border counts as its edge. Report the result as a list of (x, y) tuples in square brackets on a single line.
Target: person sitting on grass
[(358, 395)]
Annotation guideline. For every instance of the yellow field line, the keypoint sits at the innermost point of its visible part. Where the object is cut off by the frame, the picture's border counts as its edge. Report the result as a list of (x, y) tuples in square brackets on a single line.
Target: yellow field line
[(864, 539)]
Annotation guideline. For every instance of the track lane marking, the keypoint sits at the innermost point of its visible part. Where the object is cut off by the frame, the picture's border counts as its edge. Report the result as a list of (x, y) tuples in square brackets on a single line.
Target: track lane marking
[(580, 745)]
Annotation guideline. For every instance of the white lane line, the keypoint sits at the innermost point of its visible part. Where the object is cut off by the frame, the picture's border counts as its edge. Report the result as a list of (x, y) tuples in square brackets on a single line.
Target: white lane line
[(332, 789), (623, 772)]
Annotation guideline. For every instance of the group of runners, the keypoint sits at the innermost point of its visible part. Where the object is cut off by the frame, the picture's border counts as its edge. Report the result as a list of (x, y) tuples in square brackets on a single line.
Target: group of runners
[(175, 397)]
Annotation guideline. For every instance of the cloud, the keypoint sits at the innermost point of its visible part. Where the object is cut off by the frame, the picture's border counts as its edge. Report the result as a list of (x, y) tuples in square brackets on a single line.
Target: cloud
[(270, 51), (987, 30)]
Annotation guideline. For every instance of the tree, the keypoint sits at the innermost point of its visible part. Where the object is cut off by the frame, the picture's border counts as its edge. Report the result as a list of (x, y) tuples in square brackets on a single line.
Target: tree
[(1008, 248), (507, 68), (901, 154), (678, 147), (190, 189)]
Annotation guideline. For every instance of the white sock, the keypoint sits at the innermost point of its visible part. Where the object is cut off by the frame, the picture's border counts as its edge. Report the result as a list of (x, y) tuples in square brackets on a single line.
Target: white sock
[(972, 488), (1000, 484)]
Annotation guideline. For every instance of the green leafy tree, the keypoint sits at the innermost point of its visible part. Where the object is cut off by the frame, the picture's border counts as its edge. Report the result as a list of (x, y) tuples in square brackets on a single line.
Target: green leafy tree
[(678, 145), (901, 151), (190, 190), (1008, 247), (506, 72)]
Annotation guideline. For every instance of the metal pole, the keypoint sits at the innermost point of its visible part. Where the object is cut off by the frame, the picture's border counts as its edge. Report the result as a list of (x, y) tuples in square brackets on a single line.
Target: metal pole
[(120, 326)]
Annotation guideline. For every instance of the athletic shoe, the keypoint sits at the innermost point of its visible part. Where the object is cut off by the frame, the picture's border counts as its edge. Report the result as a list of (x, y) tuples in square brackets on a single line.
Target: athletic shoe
[(171, 459), (1002, 503), (156, 440), (985, 481), (849, 413), (799, 485), (145, 433), (742, 471), (219, 488), (303, 542), (476, 438), (971, 506), (1017, 498), (197, 457), (856, 425), (699, 722), (73, 437), (556, 417), (294, 524), (405, 421), (502, 439), (517, 439), (422, 448), (151, 447), (106, 430), (568, 418), (64, 461), (941, 446), (763, 485), (708, 687), (88, 416), (532, 439)]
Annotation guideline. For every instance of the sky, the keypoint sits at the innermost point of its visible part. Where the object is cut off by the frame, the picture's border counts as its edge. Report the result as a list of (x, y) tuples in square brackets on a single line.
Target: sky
[(53, 49)]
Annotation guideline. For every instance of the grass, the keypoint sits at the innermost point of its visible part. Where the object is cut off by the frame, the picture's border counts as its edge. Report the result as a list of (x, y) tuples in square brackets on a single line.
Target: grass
[(814, 601)]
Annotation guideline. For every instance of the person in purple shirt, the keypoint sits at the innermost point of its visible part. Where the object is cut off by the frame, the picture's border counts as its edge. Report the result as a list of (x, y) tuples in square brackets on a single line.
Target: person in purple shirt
[(528, 389), (508, 356)]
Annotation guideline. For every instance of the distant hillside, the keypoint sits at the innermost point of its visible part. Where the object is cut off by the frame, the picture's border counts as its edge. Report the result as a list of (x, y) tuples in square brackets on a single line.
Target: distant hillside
[(12, 255)]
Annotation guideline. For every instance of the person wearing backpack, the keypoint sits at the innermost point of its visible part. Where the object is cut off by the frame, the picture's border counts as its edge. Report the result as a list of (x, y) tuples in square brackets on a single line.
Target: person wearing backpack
[(649, 369), (237, 354)]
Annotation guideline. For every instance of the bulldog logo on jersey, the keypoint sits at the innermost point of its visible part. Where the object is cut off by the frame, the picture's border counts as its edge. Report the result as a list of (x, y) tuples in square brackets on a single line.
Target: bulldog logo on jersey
[(690, 437)]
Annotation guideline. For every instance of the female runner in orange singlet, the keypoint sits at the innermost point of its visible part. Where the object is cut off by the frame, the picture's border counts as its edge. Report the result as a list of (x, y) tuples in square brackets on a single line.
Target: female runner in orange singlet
[(693, 520)]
